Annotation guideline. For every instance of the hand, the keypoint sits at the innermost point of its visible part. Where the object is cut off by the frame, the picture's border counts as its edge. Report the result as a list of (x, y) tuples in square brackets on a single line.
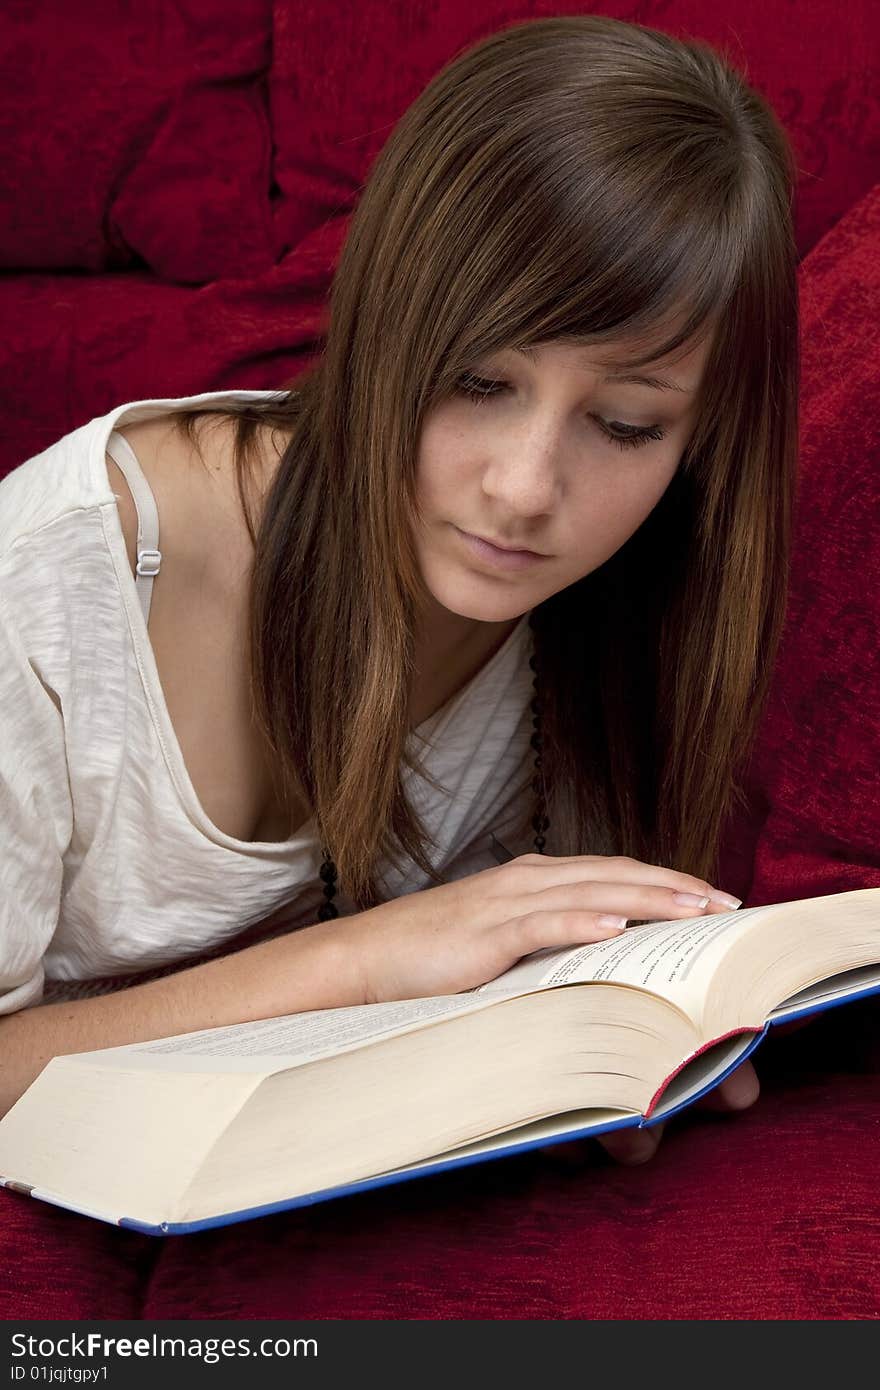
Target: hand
[(737, 1091), (450, 938)]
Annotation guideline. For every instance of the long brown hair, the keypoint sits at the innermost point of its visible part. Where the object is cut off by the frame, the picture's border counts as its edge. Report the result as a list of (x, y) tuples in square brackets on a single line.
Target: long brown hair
[(573, 179)]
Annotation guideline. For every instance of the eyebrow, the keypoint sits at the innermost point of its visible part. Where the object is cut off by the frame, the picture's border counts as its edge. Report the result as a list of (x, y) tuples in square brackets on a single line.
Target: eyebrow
[(657, 383)]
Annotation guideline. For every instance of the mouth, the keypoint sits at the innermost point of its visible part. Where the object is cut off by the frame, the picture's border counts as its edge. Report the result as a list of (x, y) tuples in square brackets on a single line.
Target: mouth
[(498, 556), (498, 545), (509, 549)]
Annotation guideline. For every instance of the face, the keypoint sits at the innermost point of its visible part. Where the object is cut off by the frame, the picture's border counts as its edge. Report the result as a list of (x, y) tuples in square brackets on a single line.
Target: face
[(555, 454)]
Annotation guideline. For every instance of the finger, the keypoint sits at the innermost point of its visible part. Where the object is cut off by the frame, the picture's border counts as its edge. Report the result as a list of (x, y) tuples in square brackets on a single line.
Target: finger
[(620, 868), (627, 1146), (631, 1147), (635, 901), (736, 1092)]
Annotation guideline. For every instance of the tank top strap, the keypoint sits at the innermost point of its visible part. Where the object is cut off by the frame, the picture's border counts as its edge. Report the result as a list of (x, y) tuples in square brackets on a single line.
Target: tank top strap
[(149, 557)]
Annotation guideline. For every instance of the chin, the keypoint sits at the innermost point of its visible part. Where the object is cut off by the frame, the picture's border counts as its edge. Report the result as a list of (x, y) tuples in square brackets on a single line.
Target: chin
[(497, 610)]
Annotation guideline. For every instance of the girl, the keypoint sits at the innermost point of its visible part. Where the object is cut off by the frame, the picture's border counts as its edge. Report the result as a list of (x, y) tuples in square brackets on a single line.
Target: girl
[(508, 566)]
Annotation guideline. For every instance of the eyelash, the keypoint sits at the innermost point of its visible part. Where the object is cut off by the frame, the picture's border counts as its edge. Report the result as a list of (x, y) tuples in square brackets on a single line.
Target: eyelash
[(477, 389)]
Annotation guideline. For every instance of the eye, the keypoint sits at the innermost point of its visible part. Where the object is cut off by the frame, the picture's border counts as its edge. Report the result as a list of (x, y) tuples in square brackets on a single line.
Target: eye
[(623, 436), (636, 435), (477, 388)]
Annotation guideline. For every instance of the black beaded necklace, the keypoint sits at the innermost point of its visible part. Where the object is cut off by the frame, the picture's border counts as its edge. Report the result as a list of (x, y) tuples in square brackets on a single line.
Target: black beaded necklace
[(540, 823)]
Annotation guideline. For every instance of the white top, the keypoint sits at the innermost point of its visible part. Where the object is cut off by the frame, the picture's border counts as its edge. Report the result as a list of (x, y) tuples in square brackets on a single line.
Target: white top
[(108, 864)]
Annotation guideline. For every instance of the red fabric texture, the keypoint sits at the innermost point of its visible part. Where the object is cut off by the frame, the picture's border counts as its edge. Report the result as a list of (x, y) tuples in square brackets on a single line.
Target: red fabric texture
[(812, 823), (137, 136), (768, 1214), (86, 113), (334, 98), (83, 344)]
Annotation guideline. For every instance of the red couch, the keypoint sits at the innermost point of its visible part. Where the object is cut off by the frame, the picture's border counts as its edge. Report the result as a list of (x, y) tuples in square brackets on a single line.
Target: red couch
[(178, 183)]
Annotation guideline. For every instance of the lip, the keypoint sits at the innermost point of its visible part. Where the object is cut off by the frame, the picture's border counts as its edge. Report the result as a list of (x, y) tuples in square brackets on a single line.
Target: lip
[(500, 559)]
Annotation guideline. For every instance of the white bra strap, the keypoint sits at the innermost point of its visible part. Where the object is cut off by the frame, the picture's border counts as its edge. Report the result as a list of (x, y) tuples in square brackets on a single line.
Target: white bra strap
[(149, 557)]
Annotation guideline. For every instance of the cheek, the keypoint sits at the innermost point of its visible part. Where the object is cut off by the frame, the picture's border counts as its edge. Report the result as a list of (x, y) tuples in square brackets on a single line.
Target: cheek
[(612, 504), (441, 465), (644, 489)]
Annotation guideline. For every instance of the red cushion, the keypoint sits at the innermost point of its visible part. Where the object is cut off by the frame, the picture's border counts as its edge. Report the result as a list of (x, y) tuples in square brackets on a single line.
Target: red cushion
[(336, 97), (137, 134), (811, 825), (84, 344)]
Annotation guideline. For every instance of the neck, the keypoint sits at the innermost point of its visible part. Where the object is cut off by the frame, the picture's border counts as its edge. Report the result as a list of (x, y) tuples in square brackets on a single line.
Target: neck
[(449, 651)]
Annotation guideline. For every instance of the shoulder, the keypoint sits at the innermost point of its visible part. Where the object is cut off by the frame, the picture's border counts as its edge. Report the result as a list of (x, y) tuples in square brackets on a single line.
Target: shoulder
[(47, 486), (202, 528)]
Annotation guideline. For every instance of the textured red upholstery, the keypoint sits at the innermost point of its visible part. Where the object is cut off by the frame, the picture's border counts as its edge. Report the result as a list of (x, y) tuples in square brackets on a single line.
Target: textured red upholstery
[(769, 1214), (337, 87), (83, 95), (139, 137), (813, 822)]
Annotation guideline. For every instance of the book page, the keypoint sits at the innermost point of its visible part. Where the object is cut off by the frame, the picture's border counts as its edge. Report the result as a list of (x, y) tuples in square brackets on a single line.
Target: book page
[(847, 984), (673, 959), (676, 960), (272, 1044)]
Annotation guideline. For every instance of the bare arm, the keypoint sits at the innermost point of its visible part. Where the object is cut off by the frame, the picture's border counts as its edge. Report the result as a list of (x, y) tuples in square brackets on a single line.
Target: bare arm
[(306, 969)]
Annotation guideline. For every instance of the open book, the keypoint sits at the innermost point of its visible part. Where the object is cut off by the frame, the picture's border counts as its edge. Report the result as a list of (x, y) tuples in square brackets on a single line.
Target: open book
[(225, 1124)]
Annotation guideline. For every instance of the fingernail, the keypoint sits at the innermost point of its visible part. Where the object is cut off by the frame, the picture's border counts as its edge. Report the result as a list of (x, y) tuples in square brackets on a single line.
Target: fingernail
[(689, 899), (726, 899), (607, 920)]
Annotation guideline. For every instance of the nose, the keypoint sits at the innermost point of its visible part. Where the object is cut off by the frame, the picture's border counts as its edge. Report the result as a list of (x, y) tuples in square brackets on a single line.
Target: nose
[(523, 472)]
